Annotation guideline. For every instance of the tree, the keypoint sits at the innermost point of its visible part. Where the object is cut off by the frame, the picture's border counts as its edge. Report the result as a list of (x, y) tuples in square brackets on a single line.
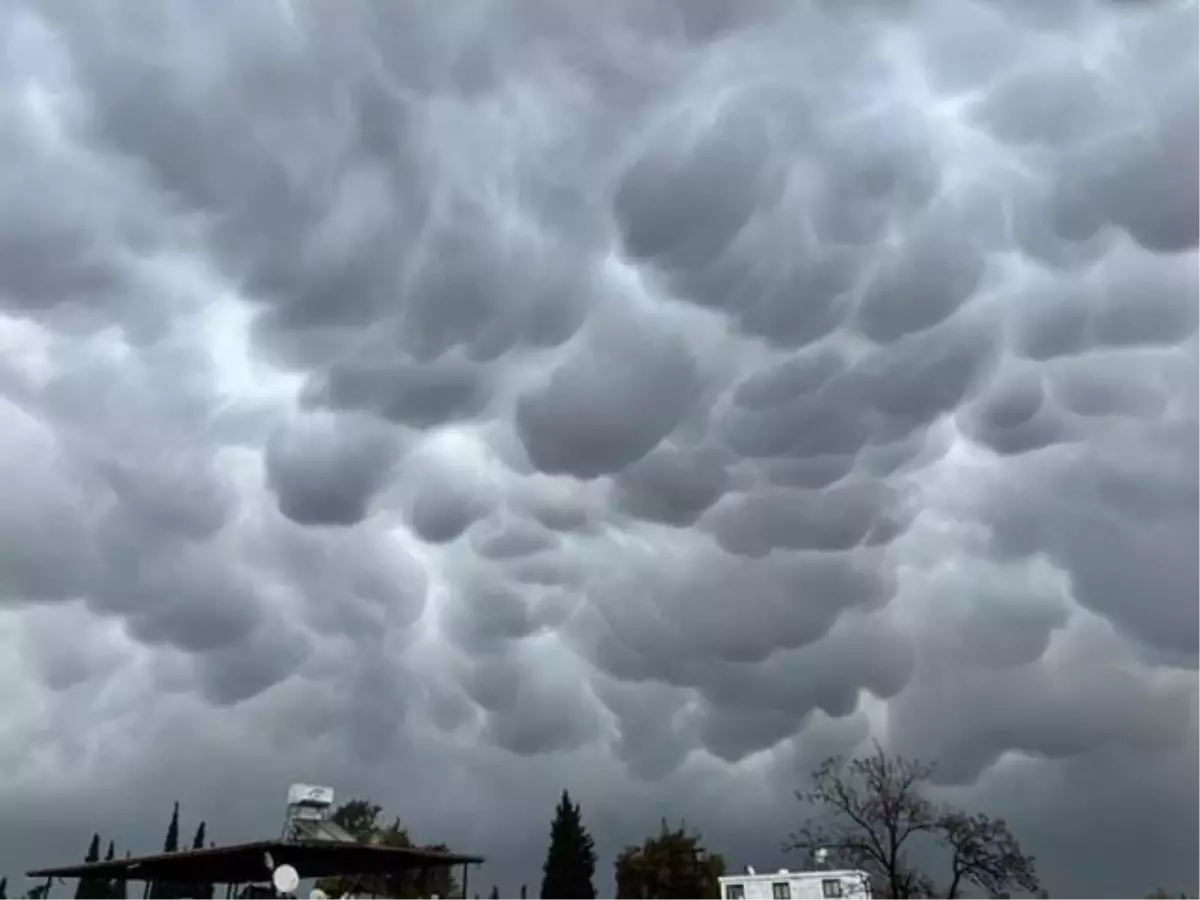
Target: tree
[(108, 886), (199, 890), (670, 865), (571, 858), (360, 819), (41, 892), (171, 841), (3, 889), (870, 812), (165, 890), (983, 852), (90, 885), (495, 894), (120, 888)]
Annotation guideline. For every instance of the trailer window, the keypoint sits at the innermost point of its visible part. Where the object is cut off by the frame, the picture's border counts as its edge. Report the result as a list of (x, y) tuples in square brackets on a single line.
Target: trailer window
[(781, 890), (831, 888), (735, 892)]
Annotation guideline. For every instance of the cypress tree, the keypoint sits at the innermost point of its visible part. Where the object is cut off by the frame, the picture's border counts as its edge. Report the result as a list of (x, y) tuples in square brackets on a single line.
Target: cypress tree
[(3, 889), (199, 891), (171, 843), (89, 885), (109, 885), (120, 888), (571, 858), (164, 890)]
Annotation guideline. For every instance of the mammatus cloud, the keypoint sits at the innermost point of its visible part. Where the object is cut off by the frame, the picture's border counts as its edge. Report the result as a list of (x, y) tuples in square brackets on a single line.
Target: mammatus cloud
[(456, 404)]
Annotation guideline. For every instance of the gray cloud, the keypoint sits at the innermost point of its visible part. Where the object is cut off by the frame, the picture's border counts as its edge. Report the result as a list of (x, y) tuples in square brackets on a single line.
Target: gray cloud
[(645, 399)]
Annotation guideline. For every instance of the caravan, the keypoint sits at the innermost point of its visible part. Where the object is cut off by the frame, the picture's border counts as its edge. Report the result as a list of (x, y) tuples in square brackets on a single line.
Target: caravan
[(830, 884)]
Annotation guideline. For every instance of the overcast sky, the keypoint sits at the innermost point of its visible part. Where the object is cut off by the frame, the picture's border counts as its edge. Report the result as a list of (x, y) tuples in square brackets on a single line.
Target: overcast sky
[(456, 402)]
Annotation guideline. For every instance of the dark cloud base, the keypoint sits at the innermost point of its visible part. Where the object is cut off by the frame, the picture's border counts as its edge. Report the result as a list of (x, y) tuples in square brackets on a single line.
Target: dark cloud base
[(648, 399)]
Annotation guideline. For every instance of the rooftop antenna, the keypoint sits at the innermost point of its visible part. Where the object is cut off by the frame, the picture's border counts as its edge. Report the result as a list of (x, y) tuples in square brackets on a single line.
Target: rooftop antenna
[(819, 857)]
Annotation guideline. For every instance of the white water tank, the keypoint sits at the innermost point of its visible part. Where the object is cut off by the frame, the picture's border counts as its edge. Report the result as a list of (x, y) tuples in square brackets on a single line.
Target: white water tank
[(310, 795)]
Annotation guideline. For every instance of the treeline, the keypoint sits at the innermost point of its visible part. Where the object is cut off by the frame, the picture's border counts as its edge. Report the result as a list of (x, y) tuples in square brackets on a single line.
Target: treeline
[(116, 888), (868, 813)]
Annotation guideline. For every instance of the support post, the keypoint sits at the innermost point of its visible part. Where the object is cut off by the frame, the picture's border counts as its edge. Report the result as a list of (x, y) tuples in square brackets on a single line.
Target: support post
[(466, 877)]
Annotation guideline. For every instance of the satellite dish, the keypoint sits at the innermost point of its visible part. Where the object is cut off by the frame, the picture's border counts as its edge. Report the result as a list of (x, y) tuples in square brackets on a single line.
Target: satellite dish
[(286, 879), (270, 861), (317, 894), (750, 870), (820, 855)]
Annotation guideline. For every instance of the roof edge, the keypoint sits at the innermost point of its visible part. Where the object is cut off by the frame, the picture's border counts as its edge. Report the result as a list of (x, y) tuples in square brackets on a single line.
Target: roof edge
[(129, 864)]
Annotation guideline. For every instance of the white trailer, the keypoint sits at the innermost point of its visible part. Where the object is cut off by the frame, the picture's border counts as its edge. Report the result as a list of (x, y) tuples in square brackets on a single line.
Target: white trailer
[(826, 884)]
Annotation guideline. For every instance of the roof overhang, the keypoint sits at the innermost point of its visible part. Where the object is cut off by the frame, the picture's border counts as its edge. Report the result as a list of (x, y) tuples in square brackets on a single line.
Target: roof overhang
[(244, 863)]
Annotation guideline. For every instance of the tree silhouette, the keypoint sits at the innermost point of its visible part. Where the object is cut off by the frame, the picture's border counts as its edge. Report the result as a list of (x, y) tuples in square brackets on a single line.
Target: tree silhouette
[(89, 885), (870, 812), (671, 865), (571, 858), (171, 841), (166, 890)]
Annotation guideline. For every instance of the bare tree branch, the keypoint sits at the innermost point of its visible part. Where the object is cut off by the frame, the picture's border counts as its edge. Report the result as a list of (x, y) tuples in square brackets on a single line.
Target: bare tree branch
[(985, 853), (867, 811)]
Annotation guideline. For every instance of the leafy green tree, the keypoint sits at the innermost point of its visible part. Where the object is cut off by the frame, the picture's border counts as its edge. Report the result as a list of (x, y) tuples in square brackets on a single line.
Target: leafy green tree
[(571, 858), (670, 865), (869, 812), (361, 819)]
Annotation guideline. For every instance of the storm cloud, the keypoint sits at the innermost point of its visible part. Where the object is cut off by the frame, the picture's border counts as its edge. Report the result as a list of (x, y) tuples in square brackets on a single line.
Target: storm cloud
[(457, 404)]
